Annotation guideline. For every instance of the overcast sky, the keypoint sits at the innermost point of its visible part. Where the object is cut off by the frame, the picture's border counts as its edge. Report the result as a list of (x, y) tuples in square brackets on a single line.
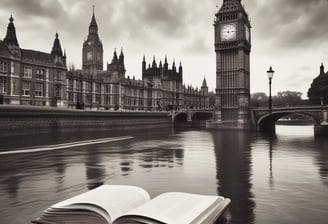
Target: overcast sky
[(290, 35)]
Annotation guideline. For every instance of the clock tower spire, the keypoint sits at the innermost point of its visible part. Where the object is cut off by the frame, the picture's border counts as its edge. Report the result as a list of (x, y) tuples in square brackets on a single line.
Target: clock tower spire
[(92, 52), (232, 48)]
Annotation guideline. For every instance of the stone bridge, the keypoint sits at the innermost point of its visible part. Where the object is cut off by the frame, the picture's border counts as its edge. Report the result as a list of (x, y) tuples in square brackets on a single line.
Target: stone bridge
[(189, 115), (264, 120)]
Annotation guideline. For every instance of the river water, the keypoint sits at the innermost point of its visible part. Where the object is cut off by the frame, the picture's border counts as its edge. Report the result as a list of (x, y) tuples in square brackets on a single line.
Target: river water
[(281, 178)]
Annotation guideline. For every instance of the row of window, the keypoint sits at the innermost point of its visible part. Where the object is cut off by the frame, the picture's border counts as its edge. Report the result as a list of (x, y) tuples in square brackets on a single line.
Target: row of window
[(40, 74), (228, 17), (26, 89)]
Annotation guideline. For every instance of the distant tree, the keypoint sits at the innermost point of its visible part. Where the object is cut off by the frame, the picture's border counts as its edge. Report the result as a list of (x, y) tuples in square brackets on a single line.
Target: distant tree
[(259, 99), (288, 98), (283, 99)]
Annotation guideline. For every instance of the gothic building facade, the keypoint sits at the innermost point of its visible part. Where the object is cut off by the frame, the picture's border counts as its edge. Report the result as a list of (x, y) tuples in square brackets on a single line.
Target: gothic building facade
[(29, 77), (160, 88), (232, 47)]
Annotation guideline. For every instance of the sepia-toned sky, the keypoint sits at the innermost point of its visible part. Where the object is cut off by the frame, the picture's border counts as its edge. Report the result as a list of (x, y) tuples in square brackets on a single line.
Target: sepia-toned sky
[(290, 35)]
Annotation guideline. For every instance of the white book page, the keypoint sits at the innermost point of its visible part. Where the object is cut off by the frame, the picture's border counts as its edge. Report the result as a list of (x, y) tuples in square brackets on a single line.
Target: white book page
[(115, 199), (176, 207)]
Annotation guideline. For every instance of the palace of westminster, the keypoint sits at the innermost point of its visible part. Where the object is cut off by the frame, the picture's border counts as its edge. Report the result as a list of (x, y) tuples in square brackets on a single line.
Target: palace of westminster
[(29, 77)]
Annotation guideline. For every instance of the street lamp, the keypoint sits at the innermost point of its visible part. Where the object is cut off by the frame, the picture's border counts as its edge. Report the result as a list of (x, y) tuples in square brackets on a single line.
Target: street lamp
[(270, 73)]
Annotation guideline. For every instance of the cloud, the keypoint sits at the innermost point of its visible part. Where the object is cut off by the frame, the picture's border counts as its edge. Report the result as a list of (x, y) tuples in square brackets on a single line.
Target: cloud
[(292, 23), (32, 8), (197, 45), (285, 34), (148, 19)]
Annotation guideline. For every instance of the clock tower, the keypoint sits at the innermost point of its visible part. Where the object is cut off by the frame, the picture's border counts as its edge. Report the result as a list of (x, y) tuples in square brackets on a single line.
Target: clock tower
[(92, 52), (232, 48)]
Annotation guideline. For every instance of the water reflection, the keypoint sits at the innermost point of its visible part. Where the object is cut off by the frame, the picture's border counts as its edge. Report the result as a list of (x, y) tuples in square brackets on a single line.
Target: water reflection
[(271, 181), (161, 157), (322, 159), (234, 173), (271, 140), (95, 171), (60, 169), (11, 176), (285, 174)]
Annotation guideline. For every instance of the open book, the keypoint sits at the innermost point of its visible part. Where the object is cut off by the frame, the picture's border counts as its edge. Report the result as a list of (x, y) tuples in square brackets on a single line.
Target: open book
[(128, 204)]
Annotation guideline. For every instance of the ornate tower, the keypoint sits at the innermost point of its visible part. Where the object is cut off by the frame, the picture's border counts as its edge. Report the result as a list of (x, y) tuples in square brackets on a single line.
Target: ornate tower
[(57, 52), (232, 47), (117, 67), (92, 52), (11, 39)]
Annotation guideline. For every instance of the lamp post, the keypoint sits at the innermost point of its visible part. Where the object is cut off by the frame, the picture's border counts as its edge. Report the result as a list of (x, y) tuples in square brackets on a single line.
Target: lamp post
[(270, 73)]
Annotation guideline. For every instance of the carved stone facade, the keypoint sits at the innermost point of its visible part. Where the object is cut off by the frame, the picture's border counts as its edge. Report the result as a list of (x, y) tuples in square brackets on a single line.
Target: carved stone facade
[(232, 47), (160, 88), (29, 77)]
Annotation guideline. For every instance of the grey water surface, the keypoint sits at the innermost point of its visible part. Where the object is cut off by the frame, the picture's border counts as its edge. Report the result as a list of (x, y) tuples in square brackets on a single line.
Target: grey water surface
[(281, 178)]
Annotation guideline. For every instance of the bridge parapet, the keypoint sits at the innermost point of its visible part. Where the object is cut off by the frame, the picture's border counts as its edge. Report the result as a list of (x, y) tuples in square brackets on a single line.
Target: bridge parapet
[(264, 120)]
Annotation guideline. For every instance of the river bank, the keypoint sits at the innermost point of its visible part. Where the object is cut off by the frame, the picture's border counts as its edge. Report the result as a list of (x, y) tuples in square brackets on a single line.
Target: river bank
[(30, 117)]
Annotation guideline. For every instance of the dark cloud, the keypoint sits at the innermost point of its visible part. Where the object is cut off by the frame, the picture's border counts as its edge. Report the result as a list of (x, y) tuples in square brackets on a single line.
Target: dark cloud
[(292, 23), (32, 8), (144, 19), (168, 17), (197, 45)]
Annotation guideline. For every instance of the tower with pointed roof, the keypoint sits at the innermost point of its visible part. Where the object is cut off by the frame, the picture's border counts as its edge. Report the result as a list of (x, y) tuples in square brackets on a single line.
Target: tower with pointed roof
[(204, 93), (57, 52), (92, 52), (117, 66), (232, 47), (11, 39), (318, 91)]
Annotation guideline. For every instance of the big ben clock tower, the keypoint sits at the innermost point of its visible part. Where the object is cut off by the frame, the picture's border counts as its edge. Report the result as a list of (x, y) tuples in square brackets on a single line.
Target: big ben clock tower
[(232, 47), (92, 52)]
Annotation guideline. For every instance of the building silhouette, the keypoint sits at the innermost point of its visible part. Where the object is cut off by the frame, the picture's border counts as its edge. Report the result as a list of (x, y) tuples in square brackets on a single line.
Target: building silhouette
[(161, 87), (318, 92), (232, 47), (29, 77)]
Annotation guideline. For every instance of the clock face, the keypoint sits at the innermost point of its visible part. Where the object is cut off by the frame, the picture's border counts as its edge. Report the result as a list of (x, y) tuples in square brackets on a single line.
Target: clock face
[(247, 33), (228, 32)]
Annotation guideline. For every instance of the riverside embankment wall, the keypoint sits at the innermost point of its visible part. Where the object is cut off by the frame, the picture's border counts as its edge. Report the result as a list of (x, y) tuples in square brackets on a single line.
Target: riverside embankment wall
[(29, 117)]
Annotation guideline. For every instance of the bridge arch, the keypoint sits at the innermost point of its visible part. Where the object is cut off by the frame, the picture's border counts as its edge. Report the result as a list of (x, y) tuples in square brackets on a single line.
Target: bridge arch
[(191, 115), (180, 117), (267, 123), (201, 116)]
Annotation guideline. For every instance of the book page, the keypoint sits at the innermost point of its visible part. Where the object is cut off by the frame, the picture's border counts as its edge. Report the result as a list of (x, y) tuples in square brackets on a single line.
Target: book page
[(175, 207), (114, 199)]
